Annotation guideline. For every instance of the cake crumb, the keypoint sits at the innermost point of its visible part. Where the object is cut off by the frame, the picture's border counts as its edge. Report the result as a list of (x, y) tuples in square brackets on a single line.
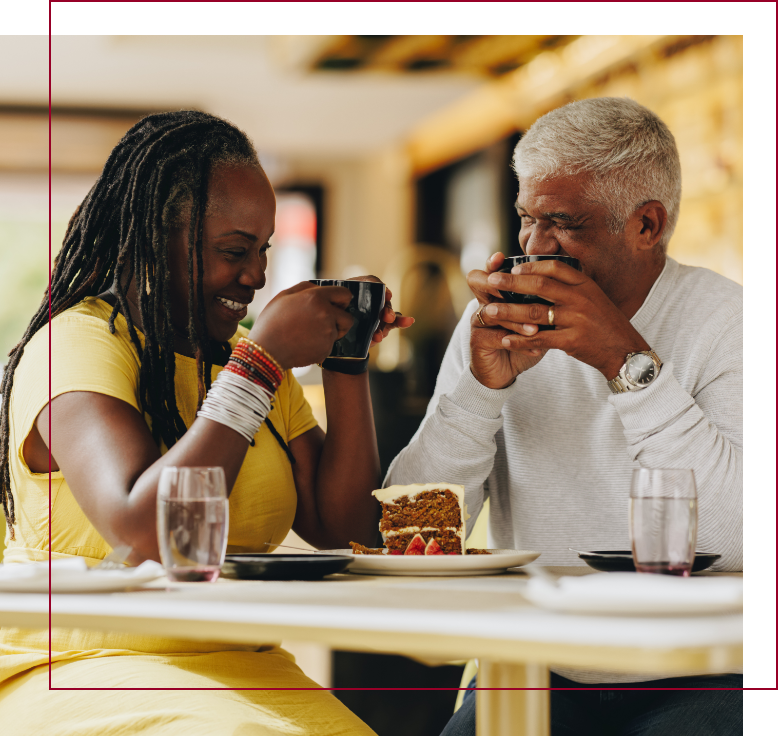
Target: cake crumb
[(360, 549)]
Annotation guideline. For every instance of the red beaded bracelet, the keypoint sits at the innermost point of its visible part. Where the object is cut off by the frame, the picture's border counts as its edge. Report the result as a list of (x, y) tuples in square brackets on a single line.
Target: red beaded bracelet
[(239, 366), (260, 362)]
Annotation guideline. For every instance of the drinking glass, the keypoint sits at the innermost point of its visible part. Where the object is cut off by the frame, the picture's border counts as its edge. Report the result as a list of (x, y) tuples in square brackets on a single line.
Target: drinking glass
[(192, 523), (663, 520)]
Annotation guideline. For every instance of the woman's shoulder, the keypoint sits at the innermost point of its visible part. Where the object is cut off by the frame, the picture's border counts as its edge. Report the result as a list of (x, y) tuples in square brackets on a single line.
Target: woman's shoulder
[(92, 313), (88, 307), (79, 339)]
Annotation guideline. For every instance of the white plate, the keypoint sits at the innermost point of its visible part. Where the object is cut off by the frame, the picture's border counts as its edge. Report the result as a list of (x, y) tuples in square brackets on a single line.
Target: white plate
[(438, 565), (72, 576)]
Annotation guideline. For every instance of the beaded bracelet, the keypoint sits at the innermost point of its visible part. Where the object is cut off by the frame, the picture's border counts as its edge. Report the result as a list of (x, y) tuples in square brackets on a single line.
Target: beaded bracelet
[(260, 359), (261, 351), (261, 367), (252, 372)]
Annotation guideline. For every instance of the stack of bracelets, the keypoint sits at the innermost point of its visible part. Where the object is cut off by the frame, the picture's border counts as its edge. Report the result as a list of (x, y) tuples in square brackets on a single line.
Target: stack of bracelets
[(242, 394)]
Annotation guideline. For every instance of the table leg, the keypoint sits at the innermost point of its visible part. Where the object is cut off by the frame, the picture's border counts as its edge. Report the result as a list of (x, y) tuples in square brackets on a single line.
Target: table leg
[(512, 712)]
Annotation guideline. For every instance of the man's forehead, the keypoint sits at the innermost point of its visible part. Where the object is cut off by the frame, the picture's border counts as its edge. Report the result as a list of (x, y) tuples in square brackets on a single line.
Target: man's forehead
[(562, 194)]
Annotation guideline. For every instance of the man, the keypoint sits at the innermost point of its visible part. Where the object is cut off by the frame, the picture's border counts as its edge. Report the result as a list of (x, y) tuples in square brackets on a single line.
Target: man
[(545, 423)]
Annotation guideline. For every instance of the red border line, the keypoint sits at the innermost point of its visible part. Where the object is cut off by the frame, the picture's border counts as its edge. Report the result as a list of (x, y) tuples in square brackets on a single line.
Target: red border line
[(49, 407), (425, 689)]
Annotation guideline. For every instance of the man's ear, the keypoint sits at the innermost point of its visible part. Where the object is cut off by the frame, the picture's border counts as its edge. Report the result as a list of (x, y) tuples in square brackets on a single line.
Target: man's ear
[(650, 219)]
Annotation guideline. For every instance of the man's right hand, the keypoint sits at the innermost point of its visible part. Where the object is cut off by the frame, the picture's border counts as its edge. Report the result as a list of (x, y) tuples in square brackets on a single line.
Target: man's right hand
[(491, 363), (300, 324)]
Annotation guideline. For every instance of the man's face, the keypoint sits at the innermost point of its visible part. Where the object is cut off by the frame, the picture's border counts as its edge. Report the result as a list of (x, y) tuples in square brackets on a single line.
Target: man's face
[(557, 219), (239, 221)]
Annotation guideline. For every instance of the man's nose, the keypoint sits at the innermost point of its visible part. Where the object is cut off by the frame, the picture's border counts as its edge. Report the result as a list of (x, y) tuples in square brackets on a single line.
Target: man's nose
[(541, 242)]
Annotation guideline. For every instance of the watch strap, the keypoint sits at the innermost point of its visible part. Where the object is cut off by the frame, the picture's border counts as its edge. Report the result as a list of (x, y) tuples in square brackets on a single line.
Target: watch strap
[(349, 367)]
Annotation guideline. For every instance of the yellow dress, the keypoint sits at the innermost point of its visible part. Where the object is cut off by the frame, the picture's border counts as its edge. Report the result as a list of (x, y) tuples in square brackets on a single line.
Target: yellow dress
[(86, 357)]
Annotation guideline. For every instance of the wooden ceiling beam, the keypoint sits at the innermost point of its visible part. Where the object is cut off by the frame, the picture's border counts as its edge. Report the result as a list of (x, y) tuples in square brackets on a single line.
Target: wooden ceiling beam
[(488, 53), (515, 100), (400, 51)]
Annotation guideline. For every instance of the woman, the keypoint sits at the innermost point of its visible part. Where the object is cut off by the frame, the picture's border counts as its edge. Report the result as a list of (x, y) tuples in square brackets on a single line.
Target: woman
[(157, 267)]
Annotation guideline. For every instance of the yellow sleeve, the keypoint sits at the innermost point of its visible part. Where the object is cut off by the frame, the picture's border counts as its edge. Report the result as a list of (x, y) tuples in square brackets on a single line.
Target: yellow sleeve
[(85, 356), (300, 418)]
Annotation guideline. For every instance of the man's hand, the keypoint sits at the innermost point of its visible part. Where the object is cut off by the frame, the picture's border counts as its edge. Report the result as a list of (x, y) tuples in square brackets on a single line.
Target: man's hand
[(493, 363), (589, 326)]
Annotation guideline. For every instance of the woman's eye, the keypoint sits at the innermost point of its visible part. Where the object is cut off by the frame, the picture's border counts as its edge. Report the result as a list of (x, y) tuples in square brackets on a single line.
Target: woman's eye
[(235, 253), (265, 248)]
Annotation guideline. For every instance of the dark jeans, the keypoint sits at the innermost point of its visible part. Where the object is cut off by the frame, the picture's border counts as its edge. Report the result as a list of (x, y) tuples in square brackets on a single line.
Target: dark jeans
[(610, 710)]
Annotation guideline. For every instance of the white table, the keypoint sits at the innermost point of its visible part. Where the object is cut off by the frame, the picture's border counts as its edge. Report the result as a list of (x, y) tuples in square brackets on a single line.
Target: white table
[(434, 619)]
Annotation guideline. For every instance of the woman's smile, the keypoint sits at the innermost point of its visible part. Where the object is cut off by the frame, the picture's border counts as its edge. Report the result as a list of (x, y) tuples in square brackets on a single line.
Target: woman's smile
[(233, 310)]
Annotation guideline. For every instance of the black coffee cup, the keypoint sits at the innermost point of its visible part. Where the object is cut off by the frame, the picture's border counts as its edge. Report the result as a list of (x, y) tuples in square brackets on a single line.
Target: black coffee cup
[(366, 304), (515, 298)]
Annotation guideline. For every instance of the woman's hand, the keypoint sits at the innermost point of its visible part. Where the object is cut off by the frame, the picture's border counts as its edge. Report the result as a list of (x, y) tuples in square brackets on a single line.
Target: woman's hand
[(390, 320), (300, 324), (491, 362)]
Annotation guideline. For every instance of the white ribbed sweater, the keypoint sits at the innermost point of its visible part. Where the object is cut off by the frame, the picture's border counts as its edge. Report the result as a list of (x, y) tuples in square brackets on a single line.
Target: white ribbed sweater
[(554, 452)]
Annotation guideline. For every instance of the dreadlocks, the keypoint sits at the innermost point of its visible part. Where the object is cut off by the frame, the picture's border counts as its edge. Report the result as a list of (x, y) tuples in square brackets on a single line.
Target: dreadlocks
[(157, 172)]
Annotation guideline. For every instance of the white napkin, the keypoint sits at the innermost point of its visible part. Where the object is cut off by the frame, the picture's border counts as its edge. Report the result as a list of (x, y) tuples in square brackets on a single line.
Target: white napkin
[(72, 573), (40, 570), (636, 593)]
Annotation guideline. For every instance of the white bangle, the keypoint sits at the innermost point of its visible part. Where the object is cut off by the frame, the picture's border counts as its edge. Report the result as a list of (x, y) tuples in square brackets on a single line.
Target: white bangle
[(238, 403)]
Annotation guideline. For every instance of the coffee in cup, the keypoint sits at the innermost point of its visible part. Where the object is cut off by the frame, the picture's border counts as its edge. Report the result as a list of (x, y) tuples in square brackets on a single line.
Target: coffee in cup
[(367, 301), (516, 298)]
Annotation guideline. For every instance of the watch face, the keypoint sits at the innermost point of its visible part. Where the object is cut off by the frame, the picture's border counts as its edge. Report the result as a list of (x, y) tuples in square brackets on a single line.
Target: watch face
[(641, 369)]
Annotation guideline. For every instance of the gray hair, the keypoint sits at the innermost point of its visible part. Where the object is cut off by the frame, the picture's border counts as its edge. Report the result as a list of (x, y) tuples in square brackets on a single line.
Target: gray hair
[(627, 150)]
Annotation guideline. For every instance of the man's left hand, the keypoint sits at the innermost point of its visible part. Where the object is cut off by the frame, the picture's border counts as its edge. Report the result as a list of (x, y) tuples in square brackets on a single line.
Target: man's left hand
[(588, 325)]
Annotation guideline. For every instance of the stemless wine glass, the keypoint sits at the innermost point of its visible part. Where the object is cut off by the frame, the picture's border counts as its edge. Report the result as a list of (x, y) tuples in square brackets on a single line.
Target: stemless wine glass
[(663, 520), (192, 523)]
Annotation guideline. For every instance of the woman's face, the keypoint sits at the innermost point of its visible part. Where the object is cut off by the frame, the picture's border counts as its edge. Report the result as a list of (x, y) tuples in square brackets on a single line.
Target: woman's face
[(239, 220)]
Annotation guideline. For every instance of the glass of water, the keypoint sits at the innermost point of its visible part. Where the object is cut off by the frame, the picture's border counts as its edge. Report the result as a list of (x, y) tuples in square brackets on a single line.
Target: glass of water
[(192, 523), (663, 520)]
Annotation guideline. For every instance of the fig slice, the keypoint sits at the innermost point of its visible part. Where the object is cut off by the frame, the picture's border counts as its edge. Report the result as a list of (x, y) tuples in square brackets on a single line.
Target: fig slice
[(395, 551), (433, 548), (416, 546)]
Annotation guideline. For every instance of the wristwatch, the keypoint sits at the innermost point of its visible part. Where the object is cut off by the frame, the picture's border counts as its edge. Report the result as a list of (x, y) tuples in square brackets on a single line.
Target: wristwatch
[(639, 370)]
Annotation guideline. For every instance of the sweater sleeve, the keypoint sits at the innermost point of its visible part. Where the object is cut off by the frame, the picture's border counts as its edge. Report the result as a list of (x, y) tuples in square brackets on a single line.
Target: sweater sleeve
[(456, 440), (667, 426)]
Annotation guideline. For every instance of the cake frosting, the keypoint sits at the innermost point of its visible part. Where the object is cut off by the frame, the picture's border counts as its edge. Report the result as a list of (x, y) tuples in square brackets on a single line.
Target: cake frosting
[(433, 510)]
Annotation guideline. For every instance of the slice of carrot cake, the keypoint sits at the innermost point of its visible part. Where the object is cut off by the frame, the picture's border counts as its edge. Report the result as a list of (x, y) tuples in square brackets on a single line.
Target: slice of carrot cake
[(423, 518)]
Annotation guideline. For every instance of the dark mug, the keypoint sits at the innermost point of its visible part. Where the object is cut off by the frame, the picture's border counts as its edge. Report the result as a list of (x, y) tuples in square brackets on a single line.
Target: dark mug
[(515, 298), (365, 307)]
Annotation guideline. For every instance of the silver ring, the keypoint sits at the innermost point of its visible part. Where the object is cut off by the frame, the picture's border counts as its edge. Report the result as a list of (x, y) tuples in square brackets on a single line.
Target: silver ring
[(551, 316)]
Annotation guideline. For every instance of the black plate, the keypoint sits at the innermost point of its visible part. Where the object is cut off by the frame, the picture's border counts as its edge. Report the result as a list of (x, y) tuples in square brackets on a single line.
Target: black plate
[(621, 560), (256, 566)]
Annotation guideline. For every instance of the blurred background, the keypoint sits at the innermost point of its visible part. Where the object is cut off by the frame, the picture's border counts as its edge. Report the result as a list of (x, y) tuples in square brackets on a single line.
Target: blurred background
[(390, 155)]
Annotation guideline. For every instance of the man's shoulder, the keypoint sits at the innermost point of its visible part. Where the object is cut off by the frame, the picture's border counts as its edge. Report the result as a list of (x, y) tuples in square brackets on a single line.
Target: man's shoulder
[(704, 278), (704, 291)]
